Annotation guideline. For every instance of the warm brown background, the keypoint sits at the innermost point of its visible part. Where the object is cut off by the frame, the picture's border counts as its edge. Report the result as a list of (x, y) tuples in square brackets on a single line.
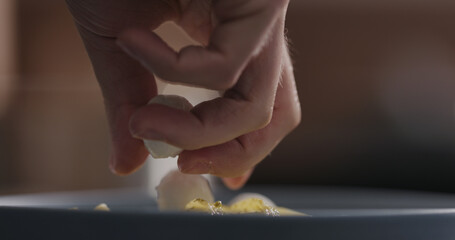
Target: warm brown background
[(376, 81), (55, 130), (377, 85)]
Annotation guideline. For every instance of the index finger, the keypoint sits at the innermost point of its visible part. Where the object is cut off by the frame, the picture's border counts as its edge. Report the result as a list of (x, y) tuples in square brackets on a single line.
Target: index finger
[(126, 86), (245, 108), (240, 34)]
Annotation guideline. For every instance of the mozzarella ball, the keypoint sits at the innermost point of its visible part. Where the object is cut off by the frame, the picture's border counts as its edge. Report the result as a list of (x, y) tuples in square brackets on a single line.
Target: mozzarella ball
[(177, 189), (102, 207), (244, 196), (160, 149)]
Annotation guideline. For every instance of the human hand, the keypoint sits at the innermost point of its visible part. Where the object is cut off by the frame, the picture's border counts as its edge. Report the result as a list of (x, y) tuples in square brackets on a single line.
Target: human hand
[(244, 53)]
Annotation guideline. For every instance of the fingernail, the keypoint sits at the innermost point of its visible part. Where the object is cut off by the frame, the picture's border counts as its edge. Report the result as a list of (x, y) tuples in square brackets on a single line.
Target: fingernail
[(195, 167), (117, 168), (112, 165)]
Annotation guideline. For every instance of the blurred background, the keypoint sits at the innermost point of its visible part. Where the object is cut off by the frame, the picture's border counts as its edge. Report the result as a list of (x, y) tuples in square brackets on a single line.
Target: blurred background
[(376, 81)]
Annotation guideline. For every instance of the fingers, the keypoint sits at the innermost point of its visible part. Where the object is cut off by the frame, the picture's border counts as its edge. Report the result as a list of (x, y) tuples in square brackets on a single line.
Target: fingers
[(128, 153), (241, 32), (208, 124), (243, 109), (236, 157), (126, 86), (193, 65), (234, 59)]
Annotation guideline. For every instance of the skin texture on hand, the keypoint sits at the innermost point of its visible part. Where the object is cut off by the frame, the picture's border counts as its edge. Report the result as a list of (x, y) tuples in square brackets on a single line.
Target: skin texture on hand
[(243, 52)]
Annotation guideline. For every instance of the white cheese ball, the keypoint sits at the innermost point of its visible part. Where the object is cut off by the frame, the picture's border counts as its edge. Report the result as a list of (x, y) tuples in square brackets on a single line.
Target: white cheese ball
[(177, 189), (102, 207), (244, 196), (159, 149)]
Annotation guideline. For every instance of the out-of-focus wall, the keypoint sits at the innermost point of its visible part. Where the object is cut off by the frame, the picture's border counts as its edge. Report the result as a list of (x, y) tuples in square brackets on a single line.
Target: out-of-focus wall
[(7, 38), (377, 85), (7, 71), (7, 52)]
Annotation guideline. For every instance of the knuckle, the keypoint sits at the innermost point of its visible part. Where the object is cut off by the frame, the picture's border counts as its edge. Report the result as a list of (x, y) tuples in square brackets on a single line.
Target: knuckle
[(294, 118), (168, 72), (85, 17), (225, 81), (263, 117)]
